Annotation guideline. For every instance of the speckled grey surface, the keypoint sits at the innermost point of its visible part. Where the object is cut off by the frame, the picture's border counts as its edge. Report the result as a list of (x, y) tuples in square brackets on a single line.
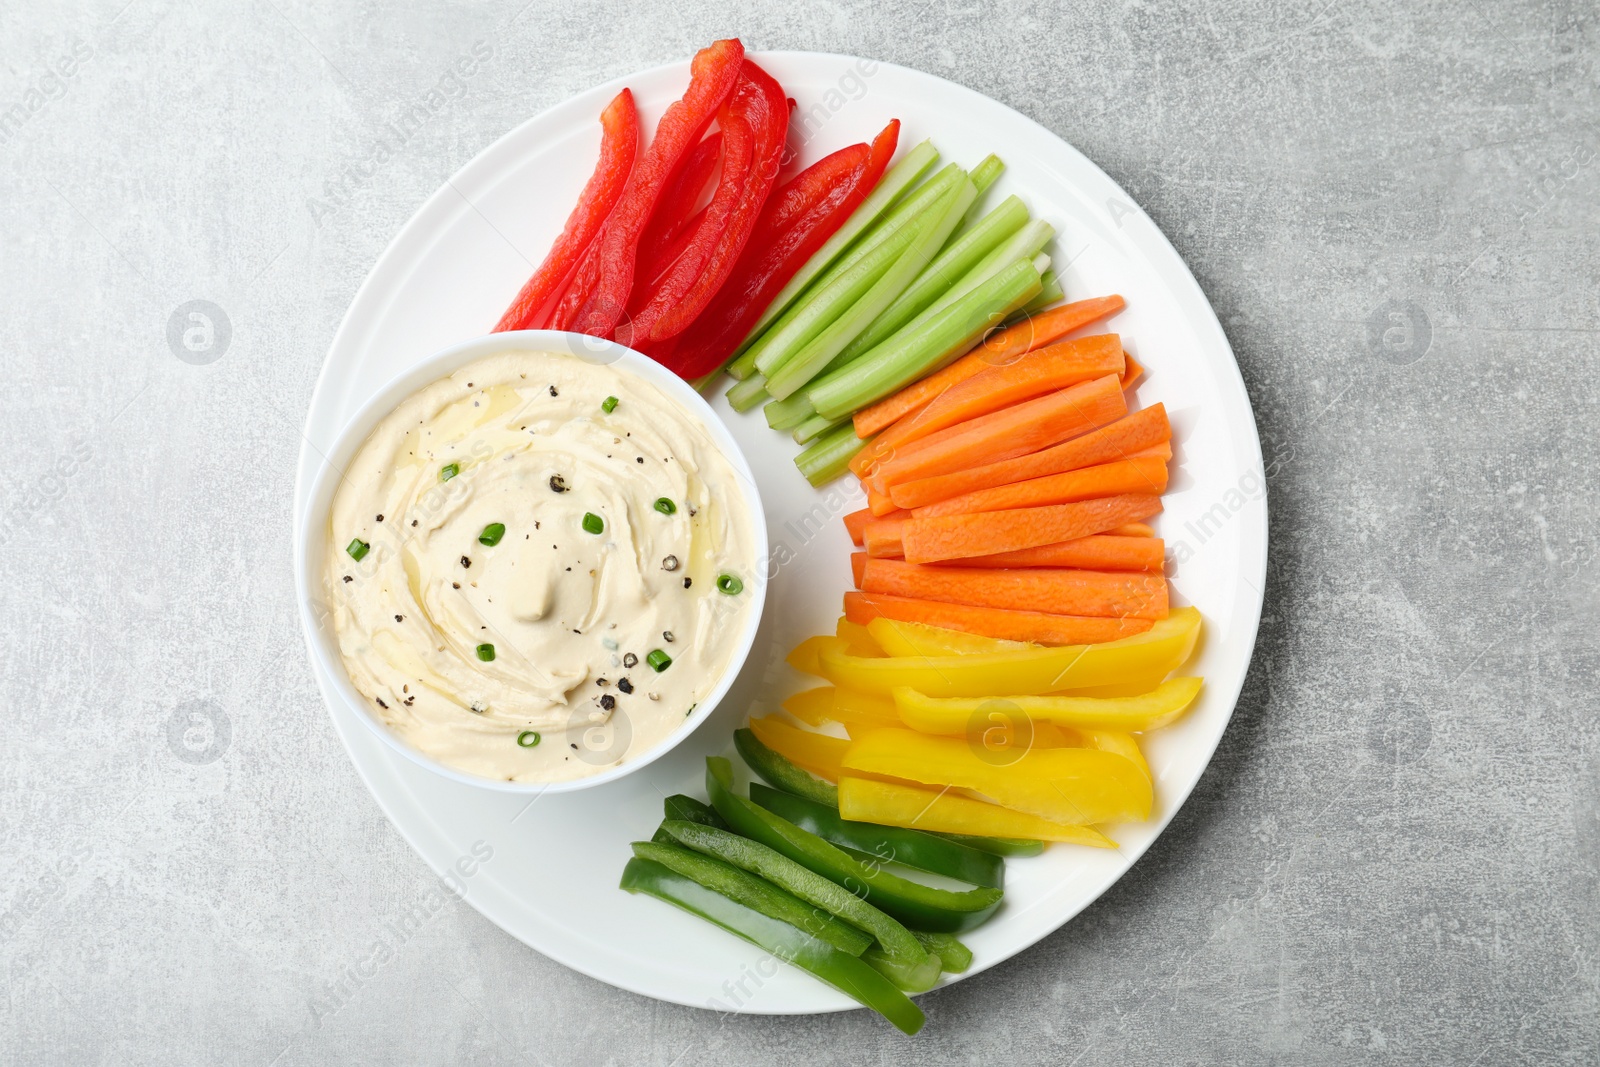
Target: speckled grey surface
[(1396, 853)]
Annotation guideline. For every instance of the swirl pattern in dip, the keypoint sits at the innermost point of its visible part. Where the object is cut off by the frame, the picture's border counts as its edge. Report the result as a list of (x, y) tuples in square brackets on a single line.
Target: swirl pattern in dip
[(517, 548)]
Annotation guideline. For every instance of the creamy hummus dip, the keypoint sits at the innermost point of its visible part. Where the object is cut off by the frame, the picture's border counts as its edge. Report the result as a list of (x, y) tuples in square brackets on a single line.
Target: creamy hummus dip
[(538, 566)]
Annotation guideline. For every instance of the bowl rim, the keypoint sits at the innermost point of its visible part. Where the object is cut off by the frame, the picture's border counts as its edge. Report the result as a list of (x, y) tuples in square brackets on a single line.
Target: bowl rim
[(311, 538)]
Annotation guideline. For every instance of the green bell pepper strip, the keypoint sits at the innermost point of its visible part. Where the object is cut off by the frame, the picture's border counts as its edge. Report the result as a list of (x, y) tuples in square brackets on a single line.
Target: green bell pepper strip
[(916, 905), (687, 809), (1000, 846), (784, 775), (780, 772), (904, 961), (955, 956), (886, 843), (844, 972), (756, 893)]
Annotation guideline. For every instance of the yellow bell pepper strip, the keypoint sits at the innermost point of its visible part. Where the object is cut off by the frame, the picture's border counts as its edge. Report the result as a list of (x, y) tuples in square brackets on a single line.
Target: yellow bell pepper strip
[(846, 973), (756, 893), (817, 753), (1078, 786), (1026, 671), (803, 657), (812, 706), (900, 956), (858, 637), (1120, 743), (955, 956), (782, 774), (894, 804), (920, 639), (955, 716), (850, 705), (925, 852), (826, 703), (920, 906), (1132, 686)]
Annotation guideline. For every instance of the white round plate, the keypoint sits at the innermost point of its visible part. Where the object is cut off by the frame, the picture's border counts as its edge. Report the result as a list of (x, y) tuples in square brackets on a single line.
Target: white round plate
[(546, 871)]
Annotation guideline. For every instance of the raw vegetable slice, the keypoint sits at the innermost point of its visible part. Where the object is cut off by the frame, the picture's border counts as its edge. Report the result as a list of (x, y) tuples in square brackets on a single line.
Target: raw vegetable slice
[(920, 906), (1145, 475), (925, 852), (755, 893), (844, 972), (911, 961), (1133, 433), (1006, 624), (985, 533), (997, 349), (1075, 786), (1163, 706), (897, 804), (1025, 671), (619, 145)]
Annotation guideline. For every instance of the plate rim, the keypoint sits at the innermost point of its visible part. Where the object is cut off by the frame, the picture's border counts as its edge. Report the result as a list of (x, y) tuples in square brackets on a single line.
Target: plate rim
[(1175, 273)]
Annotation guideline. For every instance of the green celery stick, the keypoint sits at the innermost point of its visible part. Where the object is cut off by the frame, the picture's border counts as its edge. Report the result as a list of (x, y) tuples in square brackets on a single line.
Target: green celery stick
[(895, 181), (934, 227), (812, 428), (927, 343), (788, 413), (985, 173), (843, 282), (829, 455), (951, 265), (748, 393)]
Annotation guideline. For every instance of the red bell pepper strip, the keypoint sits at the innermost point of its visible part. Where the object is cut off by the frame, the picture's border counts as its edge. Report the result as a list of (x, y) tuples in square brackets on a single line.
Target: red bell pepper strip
[(608, 279), (675, 214), (798, 219), (619, 145), (759, 108)]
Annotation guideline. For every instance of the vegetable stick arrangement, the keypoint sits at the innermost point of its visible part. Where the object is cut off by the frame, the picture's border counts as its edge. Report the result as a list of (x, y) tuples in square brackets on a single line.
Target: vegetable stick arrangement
[(1009, 637)]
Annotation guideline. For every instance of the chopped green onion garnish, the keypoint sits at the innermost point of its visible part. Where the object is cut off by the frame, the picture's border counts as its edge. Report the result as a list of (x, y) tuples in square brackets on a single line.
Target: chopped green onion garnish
[(593, 523), (658, 660), (608, 405), (527, 739), (665, 506), (727, 583), (357, 548), (448, 471), (486, 653), (492, 533)]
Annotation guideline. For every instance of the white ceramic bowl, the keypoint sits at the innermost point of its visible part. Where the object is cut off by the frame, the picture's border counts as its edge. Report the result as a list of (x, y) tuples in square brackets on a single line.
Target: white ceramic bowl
[(311, 538)]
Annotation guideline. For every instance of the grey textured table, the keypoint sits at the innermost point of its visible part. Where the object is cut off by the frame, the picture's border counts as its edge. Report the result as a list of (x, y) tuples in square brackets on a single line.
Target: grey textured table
[(1396, 853)]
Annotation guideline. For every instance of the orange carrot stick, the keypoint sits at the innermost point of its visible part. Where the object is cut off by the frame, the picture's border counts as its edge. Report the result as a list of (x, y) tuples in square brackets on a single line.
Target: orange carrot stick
[(1033, 374), (1005, 434), (1134, 529), (1036, 626), (1119, 440), (858, 569), (999, 348), (1147, 475), (1098, 552), (1131, 370), (879, 503), (883, 538), (856, 524), (988, 532), (1099, 594)]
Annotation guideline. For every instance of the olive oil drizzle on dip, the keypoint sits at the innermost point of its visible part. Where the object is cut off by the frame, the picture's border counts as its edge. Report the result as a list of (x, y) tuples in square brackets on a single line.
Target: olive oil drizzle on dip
[(507, 586)]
